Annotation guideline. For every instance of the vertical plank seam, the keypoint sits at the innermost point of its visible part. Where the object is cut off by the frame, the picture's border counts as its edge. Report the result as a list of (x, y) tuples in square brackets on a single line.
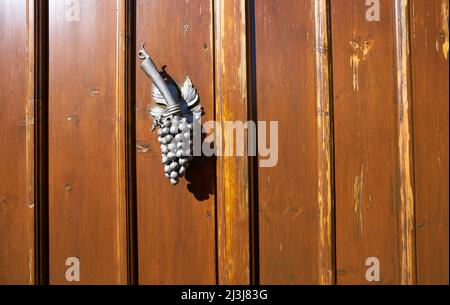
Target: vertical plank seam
[(41, 141), (253, 161), (324, 182), (214, 44), (407, 217), (409, 23), (218, 115), (130, 89), (245, 98)]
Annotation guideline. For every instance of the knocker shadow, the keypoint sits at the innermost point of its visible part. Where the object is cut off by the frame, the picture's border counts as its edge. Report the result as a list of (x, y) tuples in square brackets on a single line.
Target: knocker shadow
[(200, 175)]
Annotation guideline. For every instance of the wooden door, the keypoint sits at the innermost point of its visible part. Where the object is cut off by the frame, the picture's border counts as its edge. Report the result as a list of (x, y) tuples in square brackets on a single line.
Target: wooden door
[(352, 94)]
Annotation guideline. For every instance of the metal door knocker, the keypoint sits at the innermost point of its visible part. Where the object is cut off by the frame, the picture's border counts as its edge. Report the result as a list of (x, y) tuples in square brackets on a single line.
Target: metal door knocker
[(174, 113)]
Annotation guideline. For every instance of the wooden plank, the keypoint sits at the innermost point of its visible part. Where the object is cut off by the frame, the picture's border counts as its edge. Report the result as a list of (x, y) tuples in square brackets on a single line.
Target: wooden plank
[(429, 20), (405, 166), (292, 87), (233, 235), (176, 225), (374, 191), (87, 208), (324, 145), (17, 162)]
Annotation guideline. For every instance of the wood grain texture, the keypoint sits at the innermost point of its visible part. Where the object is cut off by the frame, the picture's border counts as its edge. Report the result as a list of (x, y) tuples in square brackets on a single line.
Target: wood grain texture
[(429, 50), (405, 134), (362, 110), (372, 142), (176, 225), (86, 140), (295, 196), (17, 151), (325, 191), (231, 85)]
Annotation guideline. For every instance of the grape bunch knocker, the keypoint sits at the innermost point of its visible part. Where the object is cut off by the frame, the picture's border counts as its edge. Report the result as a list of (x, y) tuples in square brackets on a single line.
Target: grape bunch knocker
[(174, 113)]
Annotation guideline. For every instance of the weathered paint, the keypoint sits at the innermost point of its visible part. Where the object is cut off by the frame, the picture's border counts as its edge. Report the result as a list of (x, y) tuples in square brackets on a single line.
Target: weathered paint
[(444, 33), (381, 180), (360, 54), (232, 172), (357, 197), (366, 144), (354, 64), (407, 221), (325, 144)]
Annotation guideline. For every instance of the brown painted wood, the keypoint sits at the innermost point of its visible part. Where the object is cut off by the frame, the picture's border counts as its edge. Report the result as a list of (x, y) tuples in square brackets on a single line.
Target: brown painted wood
[(231, 84), (429, 34), (295, 196), (362, 142), (372, 111), (325, 191), (405, 167), (17, 150), (176, 224), (86, 141)]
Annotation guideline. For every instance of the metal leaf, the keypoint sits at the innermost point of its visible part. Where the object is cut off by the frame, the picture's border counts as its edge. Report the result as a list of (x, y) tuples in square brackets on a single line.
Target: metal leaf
[(189, 92), (158, 97)]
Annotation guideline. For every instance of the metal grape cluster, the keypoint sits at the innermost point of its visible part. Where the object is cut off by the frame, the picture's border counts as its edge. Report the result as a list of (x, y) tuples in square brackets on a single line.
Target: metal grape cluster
[(174, 113), (174, 135)]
